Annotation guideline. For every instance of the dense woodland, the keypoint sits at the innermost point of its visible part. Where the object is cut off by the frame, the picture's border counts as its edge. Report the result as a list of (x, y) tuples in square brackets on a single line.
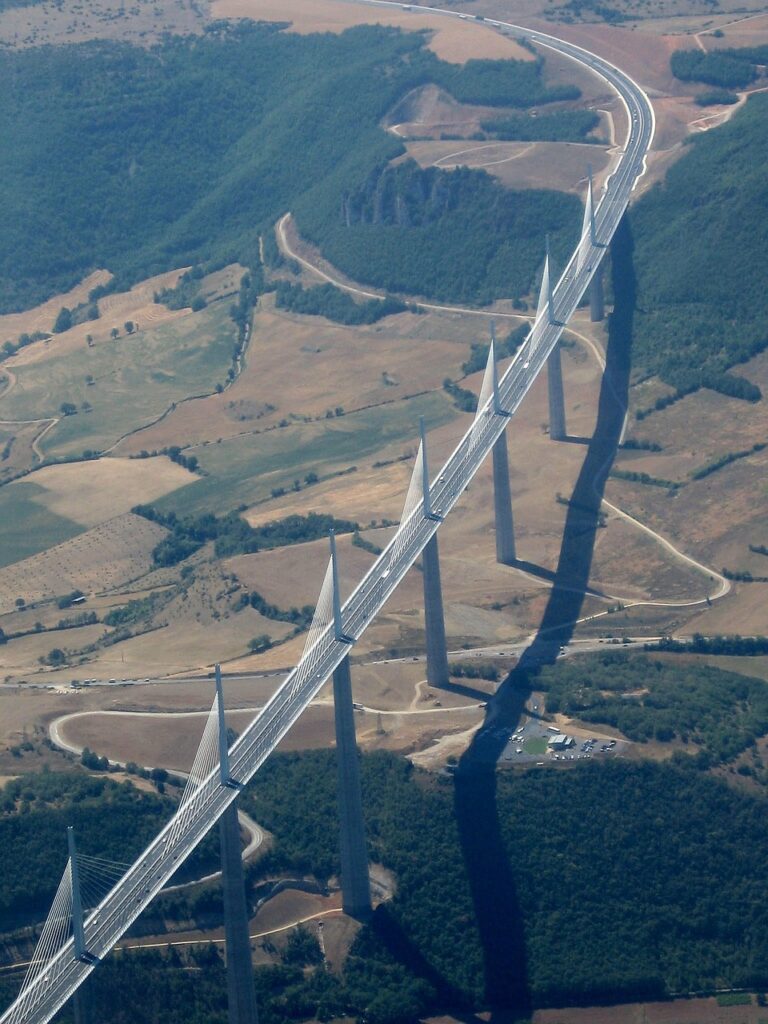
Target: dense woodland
[(561, 126), (331, 302), (628, 880), (726, 69), (632, 879), (232, 534), (111, 820), (722, 713), (702, 301), (186, 152), (456, 236)]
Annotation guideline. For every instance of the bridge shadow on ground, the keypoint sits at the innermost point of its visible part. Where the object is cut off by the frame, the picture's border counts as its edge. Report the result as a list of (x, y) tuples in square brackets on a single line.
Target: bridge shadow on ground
[(491, 876)]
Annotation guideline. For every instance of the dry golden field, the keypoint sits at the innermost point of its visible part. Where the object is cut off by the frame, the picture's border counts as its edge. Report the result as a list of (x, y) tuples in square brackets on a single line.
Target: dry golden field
[(451, 41), (102, 558)]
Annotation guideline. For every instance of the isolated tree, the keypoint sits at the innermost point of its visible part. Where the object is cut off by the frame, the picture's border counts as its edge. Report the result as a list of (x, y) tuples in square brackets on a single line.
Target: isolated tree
[(89, 340), (63, 320), (260, 643), (114, 333), (129, 326), (68, 409)]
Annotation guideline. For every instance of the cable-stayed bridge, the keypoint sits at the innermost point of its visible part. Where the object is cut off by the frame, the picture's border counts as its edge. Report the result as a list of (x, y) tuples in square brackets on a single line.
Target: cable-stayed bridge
[(73, 942)]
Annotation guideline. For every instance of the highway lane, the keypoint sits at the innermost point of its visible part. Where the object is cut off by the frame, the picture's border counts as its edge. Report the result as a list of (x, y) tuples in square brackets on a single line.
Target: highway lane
[(50, 989)]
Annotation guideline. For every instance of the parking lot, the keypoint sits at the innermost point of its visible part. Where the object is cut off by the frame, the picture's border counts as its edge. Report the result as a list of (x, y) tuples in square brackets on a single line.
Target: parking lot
[(529, 744)]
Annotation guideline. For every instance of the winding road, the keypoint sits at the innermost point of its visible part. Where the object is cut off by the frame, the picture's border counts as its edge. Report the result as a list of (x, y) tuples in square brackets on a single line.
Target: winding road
[(58, 977)]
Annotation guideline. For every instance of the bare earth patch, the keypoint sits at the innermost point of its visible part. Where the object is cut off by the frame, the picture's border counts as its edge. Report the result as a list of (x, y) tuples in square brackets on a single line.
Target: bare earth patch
[(557, 165)]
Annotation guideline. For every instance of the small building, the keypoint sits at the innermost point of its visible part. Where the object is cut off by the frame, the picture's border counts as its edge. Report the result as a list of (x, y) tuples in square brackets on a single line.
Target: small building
[(561, 742)]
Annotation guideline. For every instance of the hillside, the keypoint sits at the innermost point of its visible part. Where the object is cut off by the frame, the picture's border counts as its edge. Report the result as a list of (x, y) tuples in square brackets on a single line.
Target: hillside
[(185, 153), (699, 244)]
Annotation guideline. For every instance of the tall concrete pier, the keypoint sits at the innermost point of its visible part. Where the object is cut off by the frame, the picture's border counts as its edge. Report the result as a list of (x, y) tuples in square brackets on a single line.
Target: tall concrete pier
[(596, 298), (555, 393), (434, 620), (355, 884), (241, 993), (502, 504)]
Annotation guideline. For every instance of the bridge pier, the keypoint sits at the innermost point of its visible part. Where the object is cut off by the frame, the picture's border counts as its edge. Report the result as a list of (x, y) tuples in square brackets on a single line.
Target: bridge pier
[(596, 297), (502, 504), (434, 619), (555, 392), (241, 993), (355, 883)]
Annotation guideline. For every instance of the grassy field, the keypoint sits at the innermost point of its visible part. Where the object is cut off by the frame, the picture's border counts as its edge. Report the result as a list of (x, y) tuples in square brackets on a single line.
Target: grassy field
[(247, 468), (135, 379), (300, 366), (92, 492), (28, 526)]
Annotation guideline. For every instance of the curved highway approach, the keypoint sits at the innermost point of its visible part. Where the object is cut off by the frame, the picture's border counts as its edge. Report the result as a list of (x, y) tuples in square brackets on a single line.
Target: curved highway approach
[(47, 990)]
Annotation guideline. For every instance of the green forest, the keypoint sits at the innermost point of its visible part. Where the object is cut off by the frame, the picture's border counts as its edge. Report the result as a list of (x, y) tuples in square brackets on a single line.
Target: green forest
[(111, 820), (456, 236), (331, 302), (186, 152), (725, 69), (232, 535), (637, 880), (561, 126), (722, 713), (702, 301)]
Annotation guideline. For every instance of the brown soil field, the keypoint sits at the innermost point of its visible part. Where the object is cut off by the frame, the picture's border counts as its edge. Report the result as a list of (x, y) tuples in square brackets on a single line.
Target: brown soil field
[(452, 40), (275, 919), (92, 492), (192, 641), (677, 1011), (18, 656), (105, 557), (718, 516), (558, 165), (170, 740), (472, 580), (644, 57), (431, 110), (42, 317), (743, 613), (747, 30), (294, 370)]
